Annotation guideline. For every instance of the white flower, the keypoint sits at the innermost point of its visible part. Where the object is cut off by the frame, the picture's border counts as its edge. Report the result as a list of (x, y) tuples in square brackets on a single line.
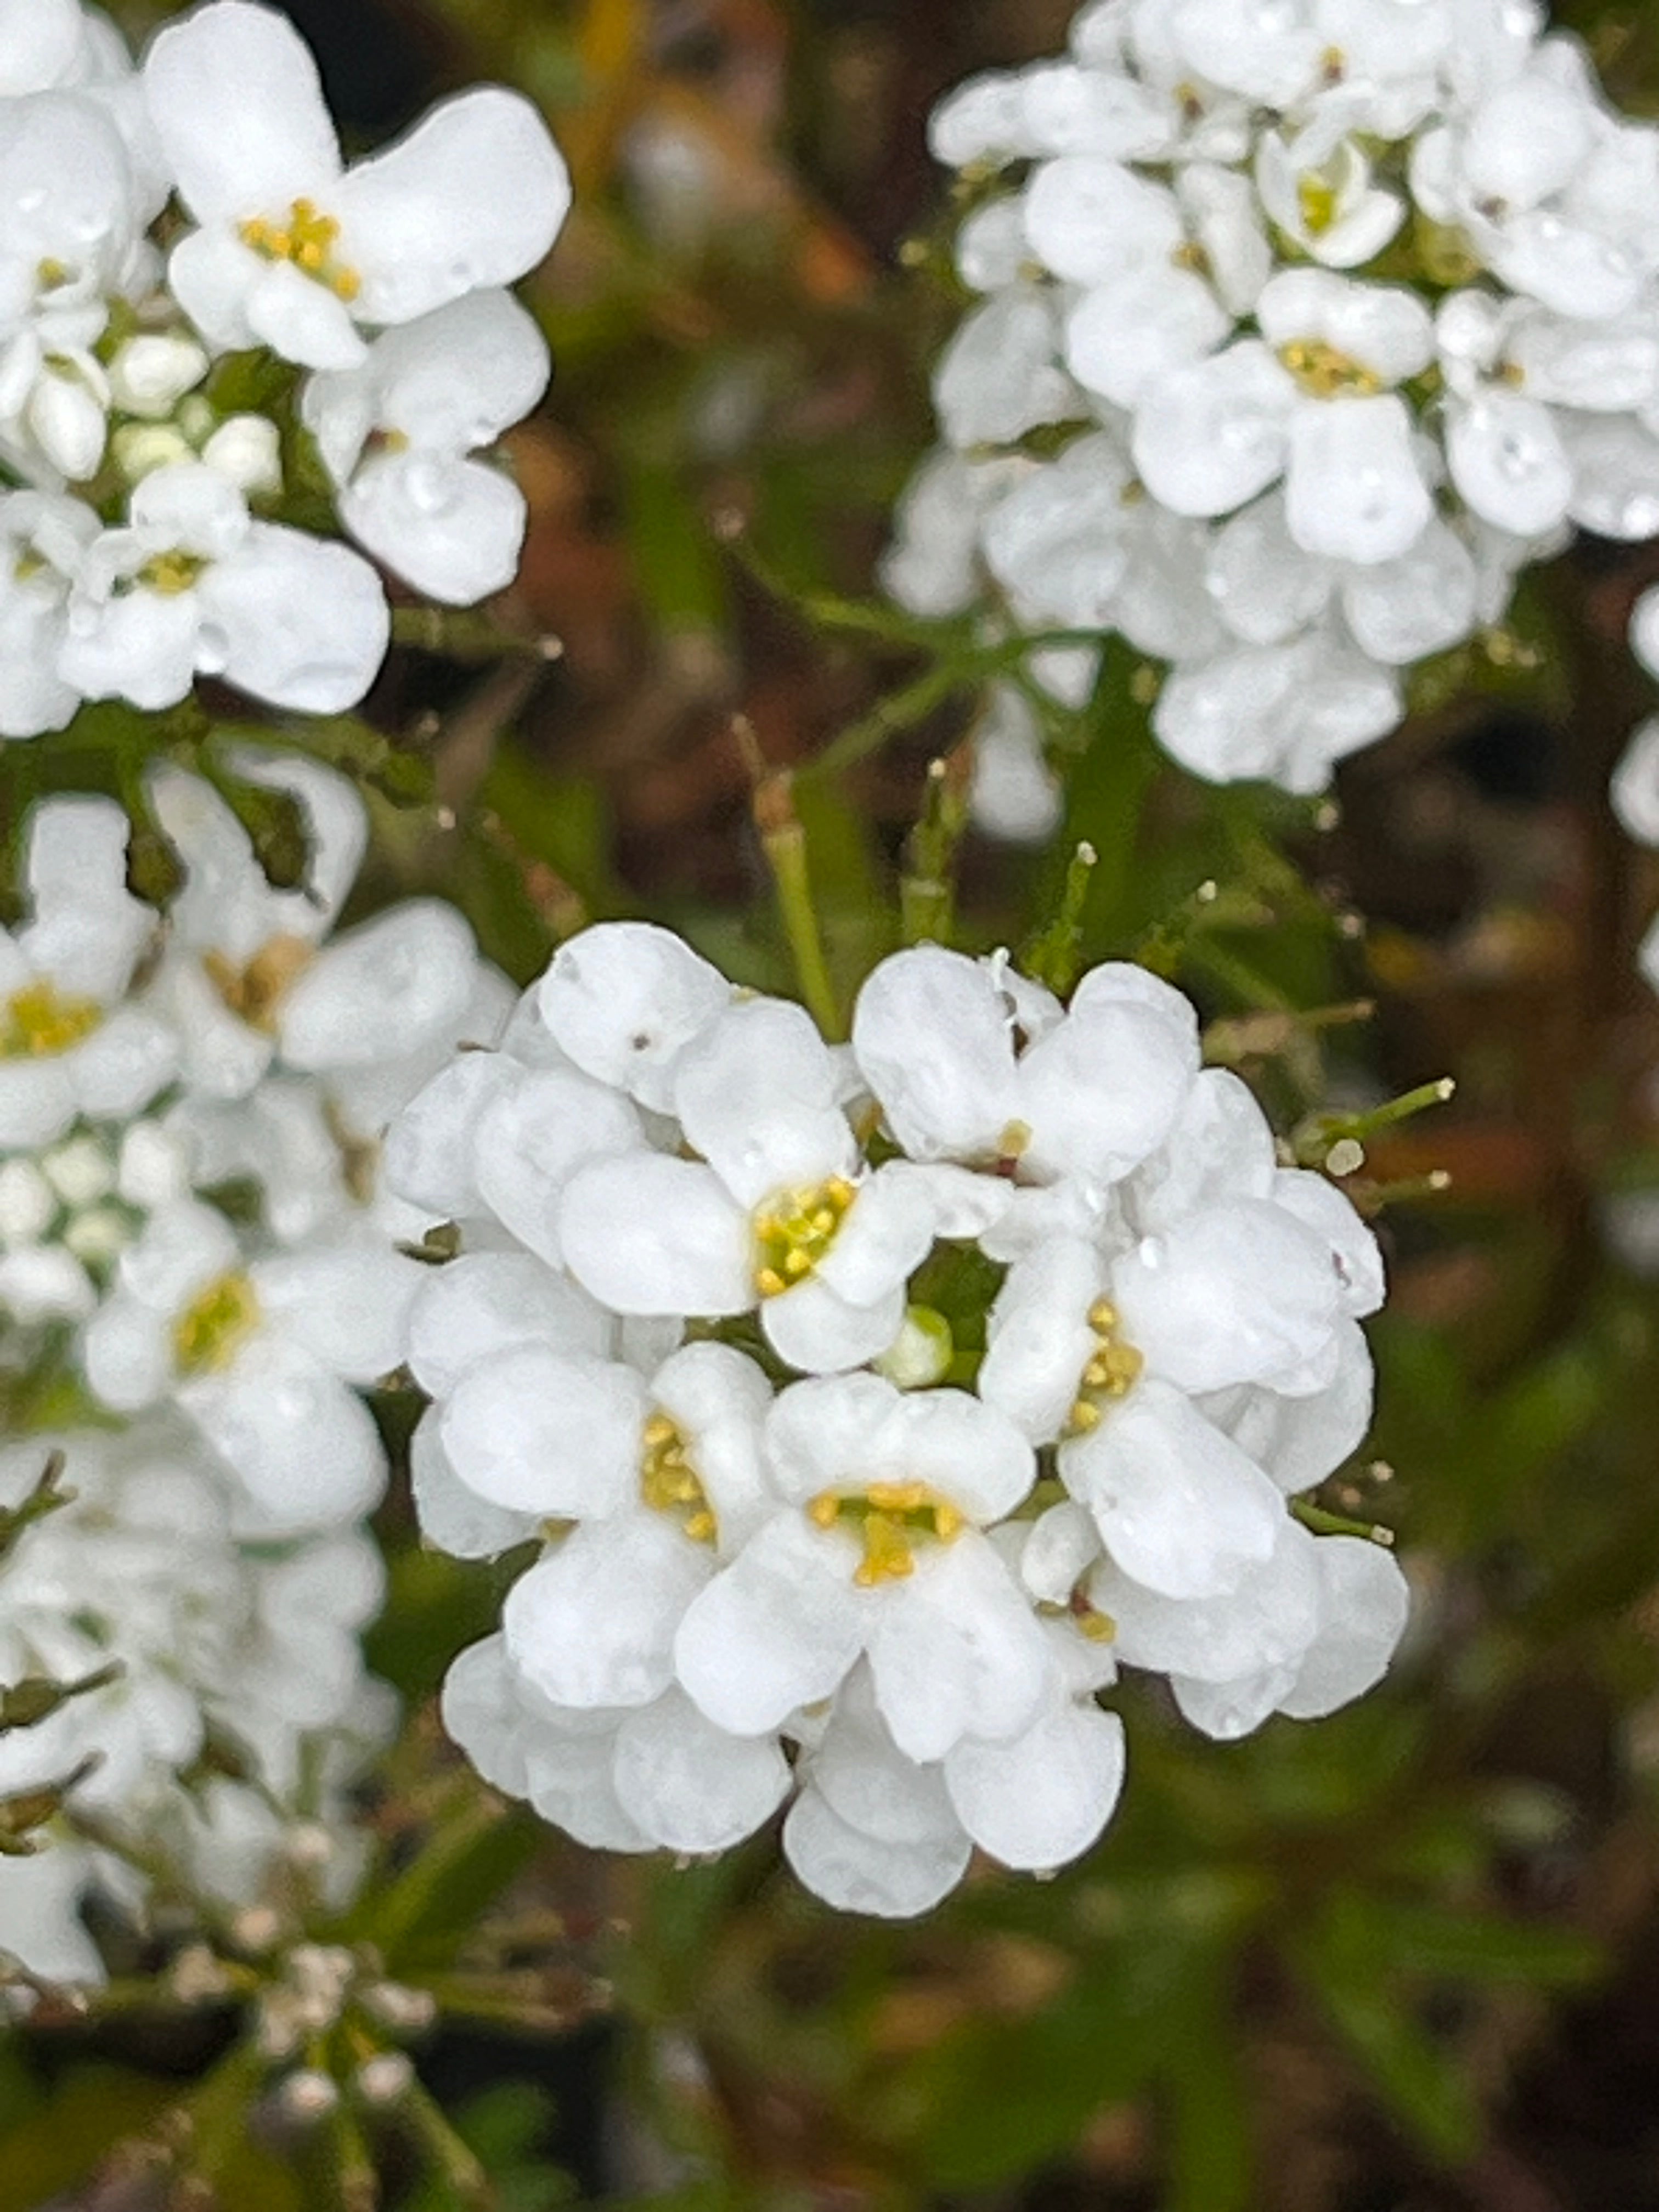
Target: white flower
[(879, 1550), (194, 583), (970, 1062), (292, 250), (778, 1211), (69, 1044), (248, 977), (259, 1352), (398, 432), (1015, 793), (43, 537)]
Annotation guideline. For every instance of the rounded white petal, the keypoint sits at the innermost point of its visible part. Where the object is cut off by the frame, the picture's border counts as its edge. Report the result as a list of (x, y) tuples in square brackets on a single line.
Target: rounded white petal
[(236, 98), (1038, 1337), (933, 1039), (1507, 459), (295, 621), (453, 528), (1124, 336), (856, 1873), (451, 1515), (592, 1623), (1354, 490), (489, 1301), (1040, 1800), (1181, 1509), (756, 1092), (473, 197), (533, 1135), (624, 999), (383, 990), (305, 1447), (1300, 1441), (1364, 1605), (1090, 221), (1635, 790), (1241, 1292), (776, 1629), (1217, 432), (689, 1786), (955, 1650), (646, 1234), (545, 1432), (1267, 1621), (814, 1329)]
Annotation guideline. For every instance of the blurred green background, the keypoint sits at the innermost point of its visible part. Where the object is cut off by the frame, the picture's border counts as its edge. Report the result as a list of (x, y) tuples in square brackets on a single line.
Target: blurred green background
[(1408, 1957)]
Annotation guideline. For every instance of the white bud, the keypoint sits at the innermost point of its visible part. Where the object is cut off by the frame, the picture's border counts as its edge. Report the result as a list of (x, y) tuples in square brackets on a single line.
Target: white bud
[(140, 448), (920, 1355), (97, 1237), (385, 2078), (149, 376), (153, 1169), (248, 450), (81, 1172), (67, 418), (26, 1204)]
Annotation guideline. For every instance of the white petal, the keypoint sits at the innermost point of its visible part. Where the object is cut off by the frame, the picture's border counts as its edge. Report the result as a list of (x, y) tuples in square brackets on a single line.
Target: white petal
[(1241, 1292), (124, 1063), (932, 1035), (1507, 460), (429, 1157), (969, 1451), (544, 1432), (645, 1234), (532, 1136), (451, 1515), (473, 197), (1268, 1620), (594, 1623), (385, 989), (1300, 1441), (1000, 376), (490, 1302), (1364, 1604), (452, 529), (246, 63), (956, 1650), (624, 999), (1180, 1507), (1635, 790), (1038, 1339), (1123, 338), (1100, 1093), (775, 1629), (1090, 221), (1266, 588), (305, 1447), (1228, 1711), (856, 1874), (481, 1713), (1041, 1799), (1217, 432), (1353, 487), (295, 621), (756, 1094), (691, 1787), (1427, 601), (815, 1330)]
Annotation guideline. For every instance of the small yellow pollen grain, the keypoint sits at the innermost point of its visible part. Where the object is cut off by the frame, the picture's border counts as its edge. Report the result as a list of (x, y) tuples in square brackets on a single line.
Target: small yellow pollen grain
[(769, 1282), (1084, 1417), (40, 1021), (670, 1485), (172, 573), (889, 1519), (1098, 1628), (825, 1512), (214, 1326), (1015, 1141)]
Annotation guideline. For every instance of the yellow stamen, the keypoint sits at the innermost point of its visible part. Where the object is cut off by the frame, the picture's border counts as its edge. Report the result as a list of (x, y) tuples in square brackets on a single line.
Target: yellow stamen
[(171, 573), (1319, 202), (213, 1328), (670, 1484), (40, 1021), (889, 1519), (1326, 372), (306, 240), (794, 1229), (256, 991), (1111, 1372)]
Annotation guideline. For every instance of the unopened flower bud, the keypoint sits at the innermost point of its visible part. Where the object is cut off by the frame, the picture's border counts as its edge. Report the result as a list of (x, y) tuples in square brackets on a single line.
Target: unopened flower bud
[(150, 374), (248, 451)]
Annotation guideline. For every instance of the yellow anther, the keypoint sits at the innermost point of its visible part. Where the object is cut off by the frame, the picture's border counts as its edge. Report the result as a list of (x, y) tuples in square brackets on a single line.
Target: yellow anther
[(306, 241), (213, 1328), (1015, 1141), (1098, 1628), (256, 990), (670, 1484), (1327, 372), (1103, 1317), (40, 1021), (171, 573), (1111, 1370), (50, 274), (1320, 203), (1084, 1417), (1334, 66), (889, 1519), (1191, 255), (794, 1229)]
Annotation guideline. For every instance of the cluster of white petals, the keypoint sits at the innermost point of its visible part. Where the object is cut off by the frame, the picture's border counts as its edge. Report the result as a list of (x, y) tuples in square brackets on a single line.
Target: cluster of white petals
[(1301, 327), (191, 1105), (141, 542), (796, 1542), (212, 1707)]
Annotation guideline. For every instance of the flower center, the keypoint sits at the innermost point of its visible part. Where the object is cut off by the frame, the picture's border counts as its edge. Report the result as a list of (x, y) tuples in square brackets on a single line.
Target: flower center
[(794, 1229), (1327, 372), (40, 1021), (1113, 1369), (216, 1325), (172, 573), (1320, 201), (255, 991), (308, 239), (670, 1484), (889, 1519)]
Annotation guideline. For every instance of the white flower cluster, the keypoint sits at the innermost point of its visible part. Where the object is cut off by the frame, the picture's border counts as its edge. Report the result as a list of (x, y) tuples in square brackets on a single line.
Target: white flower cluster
[(785, 1553), (1303, 326), (137, 546), (190, 1108), (213, 1705)]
